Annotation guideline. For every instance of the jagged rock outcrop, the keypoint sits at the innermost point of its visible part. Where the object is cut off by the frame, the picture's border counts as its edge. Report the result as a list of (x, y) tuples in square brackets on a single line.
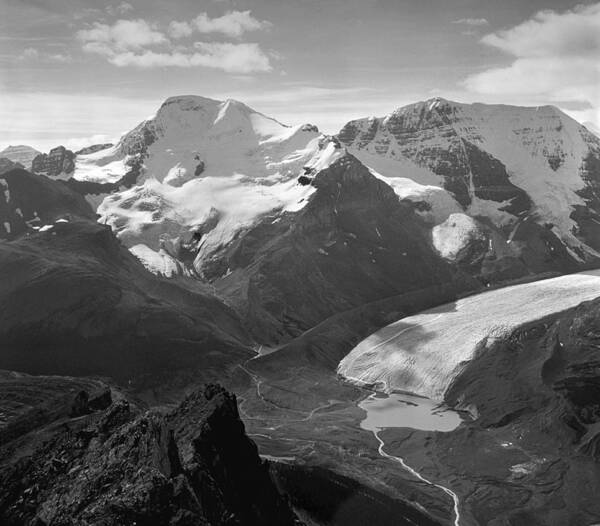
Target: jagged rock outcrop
[(58, 162), (120, 466)]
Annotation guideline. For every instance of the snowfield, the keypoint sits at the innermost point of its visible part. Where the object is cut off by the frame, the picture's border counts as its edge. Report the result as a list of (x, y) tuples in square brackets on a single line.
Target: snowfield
[(423, 353)]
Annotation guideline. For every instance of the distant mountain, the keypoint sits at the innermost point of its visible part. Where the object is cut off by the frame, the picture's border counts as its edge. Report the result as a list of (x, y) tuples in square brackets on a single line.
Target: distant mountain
[(58, 163), (205, 170), (273, 216), (21, 154), (504, 166)]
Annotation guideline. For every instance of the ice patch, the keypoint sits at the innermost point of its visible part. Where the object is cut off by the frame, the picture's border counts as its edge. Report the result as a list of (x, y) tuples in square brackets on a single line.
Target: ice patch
[(455, 234), (157, 262)]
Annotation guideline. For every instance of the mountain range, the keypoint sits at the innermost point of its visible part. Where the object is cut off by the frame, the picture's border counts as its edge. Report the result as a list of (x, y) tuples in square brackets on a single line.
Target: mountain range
[(214, 243)]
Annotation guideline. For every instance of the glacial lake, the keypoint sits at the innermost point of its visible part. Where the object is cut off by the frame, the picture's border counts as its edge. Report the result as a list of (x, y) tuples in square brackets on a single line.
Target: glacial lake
[(404, 410)]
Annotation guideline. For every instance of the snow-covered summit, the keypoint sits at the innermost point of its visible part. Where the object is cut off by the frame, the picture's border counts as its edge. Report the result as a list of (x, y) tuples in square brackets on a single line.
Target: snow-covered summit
[(207, 169), (497, 162)]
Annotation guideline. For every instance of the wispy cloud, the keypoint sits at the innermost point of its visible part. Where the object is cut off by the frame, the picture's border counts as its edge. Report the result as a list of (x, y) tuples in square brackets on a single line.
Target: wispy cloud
[(232, 58), (473, 22), (121, 36), (232, 24), (31, 54), (555, 58), (120, 9)]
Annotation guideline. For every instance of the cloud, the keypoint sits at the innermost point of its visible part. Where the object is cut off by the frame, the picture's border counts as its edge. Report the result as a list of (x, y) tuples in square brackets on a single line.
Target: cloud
[(232, 24), (474, 22), (122, 35), (180, 29), (34, 55), (231, 58), (555, 59), (30, 54), (137, 43), (121, 9)]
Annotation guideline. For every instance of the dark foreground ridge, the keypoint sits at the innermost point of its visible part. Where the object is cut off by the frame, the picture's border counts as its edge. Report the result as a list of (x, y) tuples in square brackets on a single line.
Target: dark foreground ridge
[(105, 462)]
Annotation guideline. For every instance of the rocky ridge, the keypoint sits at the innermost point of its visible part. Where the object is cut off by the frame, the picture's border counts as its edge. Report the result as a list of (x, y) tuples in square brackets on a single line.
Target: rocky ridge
[(120, 465)]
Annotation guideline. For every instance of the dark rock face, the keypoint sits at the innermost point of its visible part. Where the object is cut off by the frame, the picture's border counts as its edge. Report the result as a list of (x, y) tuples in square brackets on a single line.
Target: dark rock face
[(58, 161), (117, 466), (139, 139), (7, 165), (33, 200), (588, 217), (77, 302), (354, 242), (491, 181)]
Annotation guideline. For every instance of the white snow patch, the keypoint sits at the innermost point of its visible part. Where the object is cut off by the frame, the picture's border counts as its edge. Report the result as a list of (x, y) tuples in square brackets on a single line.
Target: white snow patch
[(158, 262), (46, 228), (454, 234), (104, 166)]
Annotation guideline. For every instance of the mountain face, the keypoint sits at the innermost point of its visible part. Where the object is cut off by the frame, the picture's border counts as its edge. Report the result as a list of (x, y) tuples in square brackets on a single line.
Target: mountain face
[(20, 154), (78, 302), (194, 162), (94, 148), (59, 163), (502, 166), (7, 165), (31, 202), (171, 191), (536, 440), (354, 242), (114, 464)]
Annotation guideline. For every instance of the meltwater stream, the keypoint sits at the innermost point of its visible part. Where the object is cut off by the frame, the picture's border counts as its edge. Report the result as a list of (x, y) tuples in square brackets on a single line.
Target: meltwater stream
[(402, 410)]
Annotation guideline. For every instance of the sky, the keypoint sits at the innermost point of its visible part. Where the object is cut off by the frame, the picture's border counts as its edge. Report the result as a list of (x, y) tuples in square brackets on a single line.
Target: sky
[(78, 72)]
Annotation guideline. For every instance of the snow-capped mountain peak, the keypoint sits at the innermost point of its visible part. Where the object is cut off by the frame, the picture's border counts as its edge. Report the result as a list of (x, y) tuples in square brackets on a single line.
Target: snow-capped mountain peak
[(206, 169), (497, 162)]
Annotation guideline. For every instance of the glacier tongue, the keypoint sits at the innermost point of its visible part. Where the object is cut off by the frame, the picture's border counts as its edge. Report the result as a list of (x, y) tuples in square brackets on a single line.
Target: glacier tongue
[(423, 353)]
